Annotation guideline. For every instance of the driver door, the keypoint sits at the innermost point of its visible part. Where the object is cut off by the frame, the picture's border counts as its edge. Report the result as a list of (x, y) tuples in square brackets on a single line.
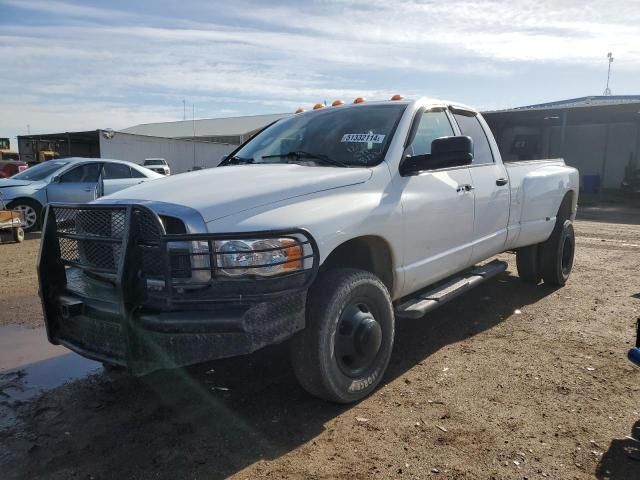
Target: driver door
[(77, 185), (438, 210)]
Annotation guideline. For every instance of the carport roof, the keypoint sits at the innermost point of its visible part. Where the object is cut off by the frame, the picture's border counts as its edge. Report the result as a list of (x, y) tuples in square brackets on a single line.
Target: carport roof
[(210, 127), (580, 102)]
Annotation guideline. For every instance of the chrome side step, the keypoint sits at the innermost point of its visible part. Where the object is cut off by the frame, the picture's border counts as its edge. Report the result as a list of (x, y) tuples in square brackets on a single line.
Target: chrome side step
[(425, 302)]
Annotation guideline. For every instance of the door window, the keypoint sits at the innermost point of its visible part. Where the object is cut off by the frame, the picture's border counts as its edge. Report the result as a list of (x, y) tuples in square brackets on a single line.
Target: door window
[(137, 174), (470, 127), (85, 173), (116, 171), (432, 125)]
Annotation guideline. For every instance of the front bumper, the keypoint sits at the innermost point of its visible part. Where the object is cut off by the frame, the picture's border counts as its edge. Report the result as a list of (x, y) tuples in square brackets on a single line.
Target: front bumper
[(114, 289)]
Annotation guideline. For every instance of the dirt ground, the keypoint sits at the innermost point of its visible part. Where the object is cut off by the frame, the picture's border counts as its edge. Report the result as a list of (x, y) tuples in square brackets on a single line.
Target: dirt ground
[(509, 381)]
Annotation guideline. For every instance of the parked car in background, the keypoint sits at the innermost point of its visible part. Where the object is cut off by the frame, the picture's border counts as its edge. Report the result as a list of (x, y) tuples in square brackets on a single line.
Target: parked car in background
[(68, 180), (158, 165), (10, 167)]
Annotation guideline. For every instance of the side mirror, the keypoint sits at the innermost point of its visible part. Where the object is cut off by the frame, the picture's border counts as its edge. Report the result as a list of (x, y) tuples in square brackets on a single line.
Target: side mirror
[(446, 152), (55, 179)]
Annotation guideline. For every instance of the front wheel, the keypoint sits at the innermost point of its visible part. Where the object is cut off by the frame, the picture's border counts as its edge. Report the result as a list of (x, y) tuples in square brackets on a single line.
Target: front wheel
[(345, 348), (32, 212)]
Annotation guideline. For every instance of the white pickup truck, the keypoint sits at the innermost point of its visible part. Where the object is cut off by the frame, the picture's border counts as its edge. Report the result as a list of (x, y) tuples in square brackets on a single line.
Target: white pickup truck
[(321, 229)]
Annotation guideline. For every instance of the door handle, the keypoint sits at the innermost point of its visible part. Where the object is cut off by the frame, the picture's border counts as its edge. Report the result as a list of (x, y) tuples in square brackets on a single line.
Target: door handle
[(88, 189), (501, 181)]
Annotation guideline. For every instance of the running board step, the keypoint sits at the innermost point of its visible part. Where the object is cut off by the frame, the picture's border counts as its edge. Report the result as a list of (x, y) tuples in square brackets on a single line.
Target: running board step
[(425, 302)]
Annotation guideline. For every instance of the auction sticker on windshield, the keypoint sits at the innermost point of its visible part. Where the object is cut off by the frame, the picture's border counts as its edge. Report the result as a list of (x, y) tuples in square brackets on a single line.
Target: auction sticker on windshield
[(362, 138)]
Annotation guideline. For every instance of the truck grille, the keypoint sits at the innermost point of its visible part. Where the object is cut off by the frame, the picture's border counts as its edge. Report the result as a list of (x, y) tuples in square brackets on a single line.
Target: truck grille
[(91, 238), (167, 266)]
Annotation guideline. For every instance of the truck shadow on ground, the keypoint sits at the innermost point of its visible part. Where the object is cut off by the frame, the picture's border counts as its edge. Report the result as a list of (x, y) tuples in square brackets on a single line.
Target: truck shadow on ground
[(213, 420), (622, 460)]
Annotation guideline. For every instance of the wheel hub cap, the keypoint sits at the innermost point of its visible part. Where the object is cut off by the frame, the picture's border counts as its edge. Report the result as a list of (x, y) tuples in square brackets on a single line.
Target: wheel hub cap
[(29, 213), (358, 340)]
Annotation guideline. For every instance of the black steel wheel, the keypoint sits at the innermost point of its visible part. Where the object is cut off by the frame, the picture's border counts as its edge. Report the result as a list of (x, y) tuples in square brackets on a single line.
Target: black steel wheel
[(528, 263), (344, 349)]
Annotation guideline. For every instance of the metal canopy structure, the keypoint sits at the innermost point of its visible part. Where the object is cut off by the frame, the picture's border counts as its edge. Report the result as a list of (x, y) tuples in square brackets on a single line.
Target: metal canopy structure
[(599, 135)]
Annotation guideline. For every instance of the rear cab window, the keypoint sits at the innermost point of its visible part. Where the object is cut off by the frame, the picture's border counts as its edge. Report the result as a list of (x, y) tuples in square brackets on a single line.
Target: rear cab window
[(470, 126)]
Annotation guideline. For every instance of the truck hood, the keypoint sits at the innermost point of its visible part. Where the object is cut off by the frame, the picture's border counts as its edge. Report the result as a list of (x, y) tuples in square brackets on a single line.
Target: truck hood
[(223, 191)]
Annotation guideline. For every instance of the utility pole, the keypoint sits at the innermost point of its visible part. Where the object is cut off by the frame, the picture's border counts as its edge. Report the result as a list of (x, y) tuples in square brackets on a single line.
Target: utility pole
[(607, 91), (193, 126)]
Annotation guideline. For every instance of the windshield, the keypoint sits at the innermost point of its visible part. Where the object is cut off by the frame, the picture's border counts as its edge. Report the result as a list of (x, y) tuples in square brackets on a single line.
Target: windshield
[(339, 136), (41, 171), (154, 162)]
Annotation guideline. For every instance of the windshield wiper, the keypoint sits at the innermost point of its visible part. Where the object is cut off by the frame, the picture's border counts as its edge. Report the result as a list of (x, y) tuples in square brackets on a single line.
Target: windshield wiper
[(236, 160), (298, 154)]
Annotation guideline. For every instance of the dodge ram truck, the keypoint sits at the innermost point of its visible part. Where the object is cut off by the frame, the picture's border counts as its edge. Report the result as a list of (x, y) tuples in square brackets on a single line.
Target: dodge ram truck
[(321, 230)]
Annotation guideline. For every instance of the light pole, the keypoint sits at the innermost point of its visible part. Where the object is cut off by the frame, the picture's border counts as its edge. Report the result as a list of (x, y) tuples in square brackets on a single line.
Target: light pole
[(607, 91)]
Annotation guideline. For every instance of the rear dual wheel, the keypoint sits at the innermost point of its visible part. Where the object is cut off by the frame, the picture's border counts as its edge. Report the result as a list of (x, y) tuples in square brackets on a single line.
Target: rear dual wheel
[(344, 350), (552, 260)]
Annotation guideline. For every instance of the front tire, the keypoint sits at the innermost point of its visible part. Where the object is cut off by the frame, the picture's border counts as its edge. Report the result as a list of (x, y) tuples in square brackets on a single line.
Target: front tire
[(558, 254), (32, 212), (345, 348)]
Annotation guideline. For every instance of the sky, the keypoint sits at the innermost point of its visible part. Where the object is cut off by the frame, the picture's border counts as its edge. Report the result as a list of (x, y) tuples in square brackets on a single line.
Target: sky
[(70, 65)]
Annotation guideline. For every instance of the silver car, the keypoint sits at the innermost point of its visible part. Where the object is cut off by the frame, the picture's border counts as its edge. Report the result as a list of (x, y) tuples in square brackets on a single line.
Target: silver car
[(68, 180)]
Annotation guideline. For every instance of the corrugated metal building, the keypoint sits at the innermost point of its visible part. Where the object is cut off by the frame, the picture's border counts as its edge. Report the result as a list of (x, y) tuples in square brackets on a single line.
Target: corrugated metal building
[(232, 130), (181, 154), (599, 135)]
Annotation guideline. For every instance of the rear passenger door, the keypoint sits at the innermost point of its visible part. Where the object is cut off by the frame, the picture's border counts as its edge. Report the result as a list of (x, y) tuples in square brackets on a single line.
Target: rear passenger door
[(490, 182), (116, 176)]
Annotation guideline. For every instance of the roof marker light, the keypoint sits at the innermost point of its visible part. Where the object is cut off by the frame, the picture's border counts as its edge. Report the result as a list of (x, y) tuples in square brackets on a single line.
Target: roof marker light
[(318, 106), (300, 110), (360, 100), (337, 103), (397, 96)]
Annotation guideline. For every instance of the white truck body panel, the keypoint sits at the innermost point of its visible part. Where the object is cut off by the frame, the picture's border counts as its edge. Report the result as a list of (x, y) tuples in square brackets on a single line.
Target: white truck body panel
[(432, 230)]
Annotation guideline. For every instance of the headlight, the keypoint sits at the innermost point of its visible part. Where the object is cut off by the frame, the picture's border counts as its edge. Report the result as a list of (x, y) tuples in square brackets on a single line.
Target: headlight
[(264, 257)]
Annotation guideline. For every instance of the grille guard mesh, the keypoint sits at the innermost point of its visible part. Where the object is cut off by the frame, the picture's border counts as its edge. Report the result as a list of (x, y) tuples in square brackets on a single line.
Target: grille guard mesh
[(128, 245)]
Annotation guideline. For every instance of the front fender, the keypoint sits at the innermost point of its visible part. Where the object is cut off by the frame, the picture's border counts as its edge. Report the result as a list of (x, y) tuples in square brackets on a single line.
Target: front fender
[(331, 217)]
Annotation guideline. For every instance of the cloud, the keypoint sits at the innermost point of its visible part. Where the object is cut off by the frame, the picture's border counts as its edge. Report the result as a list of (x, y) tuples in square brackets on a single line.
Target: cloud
[(115, 68)]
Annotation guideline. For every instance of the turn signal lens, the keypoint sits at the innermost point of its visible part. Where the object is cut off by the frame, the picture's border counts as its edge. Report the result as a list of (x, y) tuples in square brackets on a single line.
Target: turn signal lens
[(293, 251), (337, 103), (397, 96), (360, 100)]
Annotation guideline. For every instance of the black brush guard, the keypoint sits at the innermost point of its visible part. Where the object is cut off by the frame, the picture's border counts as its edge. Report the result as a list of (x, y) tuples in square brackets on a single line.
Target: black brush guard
[(116, 287)]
